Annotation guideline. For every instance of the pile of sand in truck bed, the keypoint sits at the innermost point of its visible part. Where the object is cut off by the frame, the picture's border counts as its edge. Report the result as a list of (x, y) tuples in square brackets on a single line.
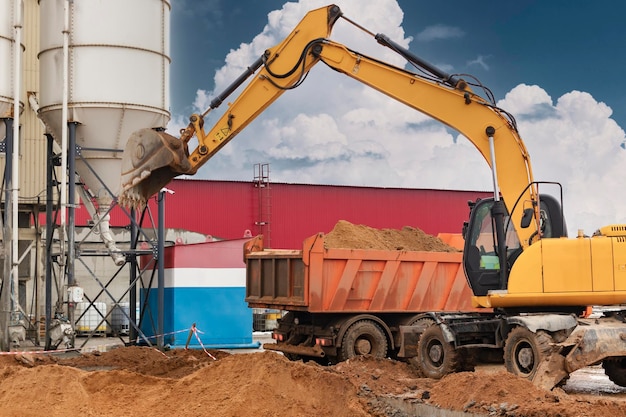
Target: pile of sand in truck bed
[(143, 381), (350, 236)]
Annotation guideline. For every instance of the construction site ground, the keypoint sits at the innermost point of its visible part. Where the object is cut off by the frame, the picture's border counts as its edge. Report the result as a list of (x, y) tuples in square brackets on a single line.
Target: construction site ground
[(110, 379), (107, 377)]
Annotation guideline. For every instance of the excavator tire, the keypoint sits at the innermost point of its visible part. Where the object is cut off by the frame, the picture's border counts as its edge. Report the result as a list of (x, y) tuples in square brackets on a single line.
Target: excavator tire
[(437, 357), (364, 337), (524, 351), (615, 369)]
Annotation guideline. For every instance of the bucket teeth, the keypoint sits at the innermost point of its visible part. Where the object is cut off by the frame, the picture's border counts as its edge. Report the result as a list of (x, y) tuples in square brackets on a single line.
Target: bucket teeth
[(131, 198)]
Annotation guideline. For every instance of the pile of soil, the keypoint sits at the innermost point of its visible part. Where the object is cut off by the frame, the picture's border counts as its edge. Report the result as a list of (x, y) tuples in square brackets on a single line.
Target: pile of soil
[(140, 381), (350, 236)]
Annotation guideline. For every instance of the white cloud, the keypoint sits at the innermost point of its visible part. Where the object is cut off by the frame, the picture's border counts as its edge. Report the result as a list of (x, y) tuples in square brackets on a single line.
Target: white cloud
[(333, 130), (481, 61), (524, 99), (436, 32), (576, 143)]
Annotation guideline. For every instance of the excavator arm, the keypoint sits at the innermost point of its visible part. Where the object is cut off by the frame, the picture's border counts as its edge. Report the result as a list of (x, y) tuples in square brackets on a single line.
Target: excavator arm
[(153, 158), (453, 103)]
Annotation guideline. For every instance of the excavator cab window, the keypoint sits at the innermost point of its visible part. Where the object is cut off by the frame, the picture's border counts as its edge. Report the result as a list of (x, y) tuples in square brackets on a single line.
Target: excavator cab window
[(481, 263), (551, 219)]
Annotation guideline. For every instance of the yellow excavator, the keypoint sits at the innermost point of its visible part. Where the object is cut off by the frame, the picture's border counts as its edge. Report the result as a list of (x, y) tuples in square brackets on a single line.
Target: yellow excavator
[(517, 258)]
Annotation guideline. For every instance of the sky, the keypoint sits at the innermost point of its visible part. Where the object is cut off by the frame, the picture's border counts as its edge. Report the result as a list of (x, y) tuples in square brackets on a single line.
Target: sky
[(557, 66)]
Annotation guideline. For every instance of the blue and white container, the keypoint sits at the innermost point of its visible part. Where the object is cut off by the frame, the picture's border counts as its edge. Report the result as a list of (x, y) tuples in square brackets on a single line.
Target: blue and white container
[(205, 285)]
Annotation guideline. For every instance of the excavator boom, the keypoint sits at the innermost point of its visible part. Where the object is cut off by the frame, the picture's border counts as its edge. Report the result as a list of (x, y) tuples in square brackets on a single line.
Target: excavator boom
[(152, 158)]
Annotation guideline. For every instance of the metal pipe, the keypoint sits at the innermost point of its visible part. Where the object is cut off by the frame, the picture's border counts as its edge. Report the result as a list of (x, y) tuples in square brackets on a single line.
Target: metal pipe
[(161, 271), (71, 197), (64, 133), (17, 77), (494, 172), (49, 234), (132, 297), (5, 289), (498, 211), (411, 57), (71, 235)]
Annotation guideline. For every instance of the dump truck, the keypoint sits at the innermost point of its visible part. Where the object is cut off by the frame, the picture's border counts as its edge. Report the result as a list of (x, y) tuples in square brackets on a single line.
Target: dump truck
[(413, 305), (345, 302), (533, 282)]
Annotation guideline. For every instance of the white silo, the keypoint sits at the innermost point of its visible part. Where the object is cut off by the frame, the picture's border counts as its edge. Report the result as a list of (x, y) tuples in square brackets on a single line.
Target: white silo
[(7, 61), (118, 79)]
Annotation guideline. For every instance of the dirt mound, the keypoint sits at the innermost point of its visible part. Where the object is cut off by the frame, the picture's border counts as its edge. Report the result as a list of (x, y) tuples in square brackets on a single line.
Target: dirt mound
[(504, 394), (147, 361), (139, 381), (351, 236)]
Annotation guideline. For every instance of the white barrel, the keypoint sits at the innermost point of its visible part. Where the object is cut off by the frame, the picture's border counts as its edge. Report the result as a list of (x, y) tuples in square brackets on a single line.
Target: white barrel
[(118, 79), (90, 316)]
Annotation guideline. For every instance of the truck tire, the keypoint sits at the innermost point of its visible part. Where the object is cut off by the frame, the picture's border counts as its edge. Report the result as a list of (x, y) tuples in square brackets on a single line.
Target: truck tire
[(415, 360), (615, 369), (524, 351), (437, 357), (364, 337)]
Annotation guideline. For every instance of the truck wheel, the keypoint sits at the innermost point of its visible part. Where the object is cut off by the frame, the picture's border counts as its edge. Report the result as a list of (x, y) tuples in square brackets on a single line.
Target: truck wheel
[(437, 357), (524, 351), (364, 337), (415, 360), (615, 369)]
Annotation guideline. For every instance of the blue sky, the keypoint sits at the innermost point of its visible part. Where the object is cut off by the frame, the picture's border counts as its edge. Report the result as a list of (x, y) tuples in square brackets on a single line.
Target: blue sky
[(556, 65), (561, 45)]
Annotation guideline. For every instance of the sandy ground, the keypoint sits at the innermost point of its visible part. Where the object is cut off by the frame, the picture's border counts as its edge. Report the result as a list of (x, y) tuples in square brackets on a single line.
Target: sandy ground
[(139, 381), (110, 379)]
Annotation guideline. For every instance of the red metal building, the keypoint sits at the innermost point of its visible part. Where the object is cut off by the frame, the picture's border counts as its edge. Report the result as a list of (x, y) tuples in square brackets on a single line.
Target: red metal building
[(288, 213)]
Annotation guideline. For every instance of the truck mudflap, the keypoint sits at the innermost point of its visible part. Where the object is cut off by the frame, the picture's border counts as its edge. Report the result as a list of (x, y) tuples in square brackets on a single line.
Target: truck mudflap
[(589, 343), (314, 351)]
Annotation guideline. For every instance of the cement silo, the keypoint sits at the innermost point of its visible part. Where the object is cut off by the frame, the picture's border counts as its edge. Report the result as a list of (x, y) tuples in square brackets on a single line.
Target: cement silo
[(7, 61), (118, 79)]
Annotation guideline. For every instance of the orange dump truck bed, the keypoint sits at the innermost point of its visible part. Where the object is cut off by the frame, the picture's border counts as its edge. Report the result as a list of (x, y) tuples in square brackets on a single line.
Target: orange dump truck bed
[(321, 280)]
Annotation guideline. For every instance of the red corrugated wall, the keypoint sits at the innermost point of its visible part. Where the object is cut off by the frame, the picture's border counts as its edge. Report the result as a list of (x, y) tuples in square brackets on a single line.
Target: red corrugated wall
[(227, 209)]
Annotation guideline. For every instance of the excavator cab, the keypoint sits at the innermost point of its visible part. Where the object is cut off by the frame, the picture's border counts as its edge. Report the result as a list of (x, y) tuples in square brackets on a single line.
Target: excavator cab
[(482, 260)]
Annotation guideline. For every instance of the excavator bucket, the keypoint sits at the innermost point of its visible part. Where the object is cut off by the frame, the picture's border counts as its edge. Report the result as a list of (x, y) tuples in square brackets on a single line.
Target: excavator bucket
[(150, 161), (590, 343)]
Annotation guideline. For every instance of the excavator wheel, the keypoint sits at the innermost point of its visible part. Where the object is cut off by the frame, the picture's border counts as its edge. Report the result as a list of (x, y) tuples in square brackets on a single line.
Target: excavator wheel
[(364, 337), (615, 369), (524, 351), (437, 357)]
